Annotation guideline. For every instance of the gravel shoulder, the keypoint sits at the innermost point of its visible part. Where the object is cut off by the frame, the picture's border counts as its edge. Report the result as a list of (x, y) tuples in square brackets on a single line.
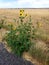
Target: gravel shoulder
[(7, 58)]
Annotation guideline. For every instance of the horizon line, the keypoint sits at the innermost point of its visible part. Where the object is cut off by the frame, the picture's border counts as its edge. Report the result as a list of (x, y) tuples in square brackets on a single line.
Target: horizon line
[(24, 8)]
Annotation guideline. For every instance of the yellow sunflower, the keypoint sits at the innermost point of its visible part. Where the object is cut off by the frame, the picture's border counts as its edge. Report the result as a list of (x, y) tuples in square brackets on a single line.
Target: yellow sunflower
[(21, 13), (39, 24)]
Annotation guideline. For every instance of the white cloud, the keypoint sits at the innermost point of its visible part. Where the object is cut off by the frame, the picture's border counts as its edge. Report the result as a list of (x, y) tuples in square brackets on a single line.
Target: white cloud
[(33, 3), (7, 4), (25, 4)]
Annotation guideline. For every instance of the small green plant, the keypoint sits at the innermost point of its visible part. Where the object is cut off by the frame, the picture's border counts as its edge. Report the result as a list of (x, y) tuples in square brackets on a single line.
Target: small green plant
[(19, 39), (1, 23)]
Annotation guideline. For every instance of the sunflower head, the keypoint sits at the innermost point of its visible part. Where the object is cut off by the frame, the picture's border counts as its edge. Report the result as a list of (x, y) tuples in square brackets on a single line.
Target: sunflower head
[(39, 24), (22, 10), (21, 13)]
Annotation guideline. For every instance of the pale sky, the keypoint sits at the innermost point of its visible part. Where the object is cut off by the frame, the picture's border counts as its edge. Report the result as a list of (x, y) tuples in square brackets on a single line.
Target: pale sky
[(24, 3)]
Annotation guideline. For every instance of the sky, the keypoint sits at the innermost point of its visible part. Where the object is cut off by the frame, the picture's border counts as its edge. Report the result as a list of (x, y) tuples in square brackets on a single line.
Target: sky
[(24, 3)]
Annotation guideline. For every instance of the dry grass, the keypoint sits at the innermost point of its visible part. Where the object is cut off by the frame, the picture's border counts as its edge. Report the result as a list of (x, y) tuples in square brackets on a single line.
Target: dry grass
[(37, 15), (28, 57)]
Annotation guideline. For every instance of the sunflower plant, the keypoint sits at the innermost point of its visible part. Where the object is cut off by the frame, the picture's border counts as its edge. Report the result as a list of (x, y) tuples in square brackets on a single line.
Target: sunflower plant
[(19, 39)]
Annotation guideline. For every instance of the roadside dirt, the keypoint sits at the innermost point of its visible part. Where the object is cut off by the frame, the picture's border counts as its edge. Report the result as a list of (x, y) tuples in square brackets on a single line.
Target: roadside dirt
[(27, 56)]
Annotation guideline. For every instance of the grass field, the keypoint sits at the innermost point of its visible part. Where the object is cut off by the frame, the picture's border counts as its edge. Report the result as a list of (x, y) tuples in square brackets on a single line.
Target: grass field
[(37, 15), (40, 20)]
